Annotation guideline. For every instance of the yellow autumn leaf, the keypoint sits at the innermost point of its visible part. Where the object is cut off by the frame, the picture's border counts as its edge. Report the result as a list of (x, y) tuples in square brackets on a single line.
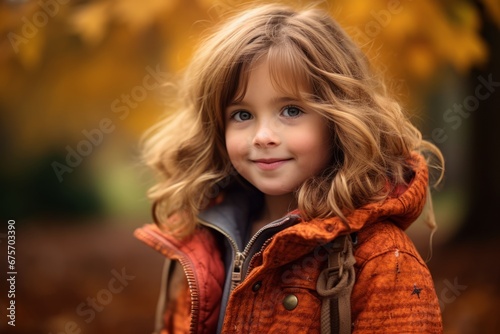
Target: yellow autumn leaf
[(31, 51), (138, 14), (421, 61), (469, 50), (403, 26), (90, 21)]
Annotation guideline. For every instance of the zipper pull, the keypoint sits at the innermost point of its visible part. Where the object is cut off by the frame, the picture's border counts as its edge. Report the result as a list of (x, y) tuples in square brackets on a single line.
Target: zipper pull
[(238, 264)]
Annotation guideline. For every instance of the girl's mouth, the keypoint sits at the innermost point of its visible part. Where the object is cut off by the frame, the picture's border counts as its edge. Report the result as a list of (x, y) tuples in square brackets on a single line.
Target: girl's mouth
[(270, 164)]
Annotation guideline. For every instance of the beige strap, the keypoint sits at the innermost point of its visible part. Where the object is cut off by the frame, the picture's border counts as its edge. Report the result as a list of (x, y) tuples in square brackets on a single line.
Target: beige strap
[(335, 286)]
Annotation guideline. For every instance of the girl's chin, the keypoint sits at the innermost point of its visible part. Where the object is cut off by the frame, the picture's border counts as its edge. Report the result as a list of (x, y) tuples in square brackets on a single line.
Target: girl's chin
[(275, 192)]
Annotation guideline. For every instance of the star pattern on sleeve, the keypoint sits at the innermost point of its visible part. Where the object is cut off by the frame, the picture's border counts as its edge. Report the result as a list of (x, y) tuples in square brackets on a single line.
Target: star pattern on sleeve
[(416, 291)]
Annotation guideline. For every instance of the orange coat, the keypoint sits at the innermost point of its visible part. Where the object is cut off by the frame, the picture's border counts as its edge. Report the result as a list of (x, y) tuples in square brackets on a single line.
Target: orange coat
[(393, 291)]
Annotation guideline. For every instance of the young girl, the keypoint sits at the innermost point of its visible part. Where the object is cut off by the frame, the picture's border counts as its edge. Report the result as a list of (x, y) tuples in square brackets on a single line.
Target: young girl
[(285, 143)]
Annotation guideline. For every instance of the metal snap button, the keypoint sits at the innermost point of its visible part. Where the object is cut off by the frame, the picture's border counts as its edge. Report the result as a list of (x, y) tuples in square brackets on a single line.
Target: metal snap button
[(290, 302), (256, 286)]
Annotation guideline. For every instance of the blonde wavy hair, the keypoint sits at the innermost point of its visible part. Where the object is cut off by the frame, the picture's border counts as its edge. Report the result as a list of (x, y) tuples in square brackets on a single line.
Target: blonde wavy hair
[(373, 138)]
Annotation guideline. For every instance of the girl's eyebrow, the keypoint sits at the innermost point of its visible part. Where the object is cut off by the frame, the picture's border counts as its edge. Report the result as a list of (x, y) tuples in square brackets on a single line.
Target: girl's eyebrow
[(277, 100)]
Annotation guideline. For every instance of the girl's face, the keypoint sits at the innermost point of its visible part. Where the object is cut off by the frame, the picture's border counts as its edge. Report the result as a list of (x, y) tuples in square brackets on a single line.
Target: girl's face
[(273, 140)]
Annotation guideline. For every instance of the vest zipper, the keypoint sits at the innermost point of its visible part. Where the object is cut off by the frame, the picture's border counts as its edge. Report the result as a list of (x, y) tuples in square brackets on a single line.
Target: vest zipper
[(239, 257), (153, 238)]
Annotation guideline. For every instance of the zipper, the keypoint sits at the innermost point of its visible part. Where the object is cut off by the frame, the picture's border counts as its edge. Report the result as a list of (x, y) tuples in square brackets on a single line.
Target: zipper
[(239, 271), (238, 256), (152, 238), (264, 245), (266, 227)]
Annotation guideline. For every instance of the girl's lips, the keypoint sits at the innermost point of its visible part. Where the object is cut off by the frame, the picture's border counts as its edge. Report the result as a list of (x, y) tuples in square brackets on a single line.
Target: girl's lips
[(270, 164)]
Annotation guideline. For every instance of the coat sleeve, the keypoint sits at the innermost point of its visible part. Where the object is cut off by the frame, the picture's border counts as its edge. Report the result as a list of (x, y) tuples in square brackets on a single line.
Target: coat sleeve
[(394, 291)]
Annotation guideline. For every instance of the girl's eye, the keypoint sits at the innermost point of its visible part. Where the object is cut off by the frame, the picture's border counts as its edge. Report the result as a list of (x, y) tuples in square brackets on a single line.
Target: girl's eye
[(241, 116), (292, 111)]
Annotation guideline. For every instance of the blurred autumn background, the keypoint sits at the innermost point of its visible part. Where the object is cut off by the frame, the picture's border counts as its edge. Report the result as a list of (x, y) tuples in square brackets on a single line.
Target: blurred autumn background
[(80, 82)]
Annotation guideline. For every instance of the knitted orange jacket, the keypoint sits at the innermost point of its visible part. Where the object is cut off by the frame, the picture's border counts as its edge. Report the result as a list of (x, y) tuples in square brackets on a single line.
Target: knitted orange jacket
[(393, 291)]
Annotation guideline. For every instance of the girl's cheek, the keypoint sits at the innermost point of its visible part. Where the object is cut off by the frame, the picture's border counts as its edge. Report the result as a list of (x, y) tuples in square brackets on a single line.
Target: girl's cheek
[(237, 142), (234, 148)]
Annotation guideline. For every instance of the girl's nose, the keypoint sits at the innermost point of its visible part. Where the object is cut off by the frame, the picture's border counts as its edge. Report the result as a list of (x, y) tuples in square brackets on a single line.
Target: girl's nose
[(266, 136)]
